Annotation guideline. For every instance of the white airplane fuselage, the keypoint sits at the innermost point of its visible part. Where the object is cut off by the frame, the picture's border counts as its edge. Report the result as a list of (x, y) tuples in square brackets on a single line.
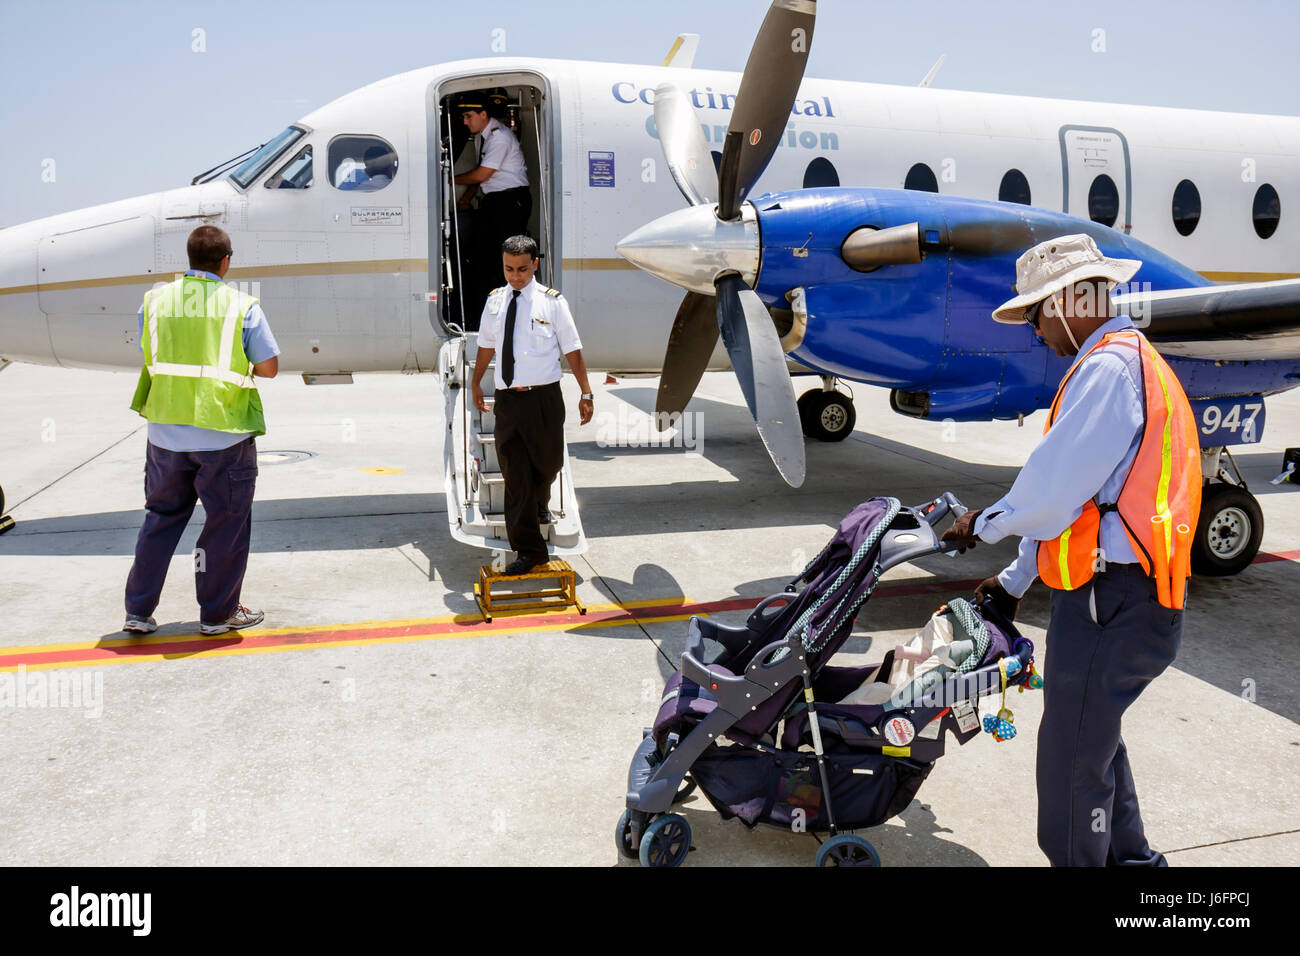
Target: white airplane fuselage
[(348, 279)]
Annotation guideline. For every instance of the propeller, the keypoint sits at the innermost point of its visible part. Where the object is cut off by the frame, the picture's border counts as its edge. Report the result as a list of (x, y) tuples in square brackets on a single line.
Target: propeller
[(767, 90)]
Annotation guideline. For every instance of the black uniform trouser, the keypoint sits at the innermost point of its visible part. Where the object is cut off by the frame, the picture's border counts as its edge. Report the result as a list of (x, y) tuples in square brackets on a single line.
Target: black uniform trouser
[(1107, 640), (499, 216), (530, 447), (173, 481)]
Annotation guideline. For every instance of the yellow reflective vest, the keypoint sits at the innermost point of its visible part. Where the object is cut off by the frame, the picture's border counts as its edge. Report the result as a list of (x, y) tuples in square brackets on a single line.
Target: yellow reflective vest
[(195, 370)]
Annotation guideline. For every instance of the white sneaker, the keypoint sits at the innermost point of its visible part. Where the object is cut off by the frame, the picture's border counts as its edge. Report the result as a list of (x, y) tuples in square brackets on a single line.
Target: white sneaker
[(140, 625), (242, 618)]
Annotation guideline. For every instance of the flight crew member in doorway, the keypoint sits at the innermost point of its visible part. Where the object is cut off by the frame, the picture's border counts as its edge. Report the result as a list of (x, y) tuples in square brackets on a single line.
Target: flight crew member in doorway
[(505, 202), (530, 326), (1105, 506), (203, 342)]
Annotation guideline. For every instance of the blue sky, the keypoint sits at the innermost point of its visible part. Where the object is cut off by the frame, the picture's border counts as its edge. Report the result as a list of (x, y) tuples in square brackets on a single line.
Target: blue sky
[(92, 85)]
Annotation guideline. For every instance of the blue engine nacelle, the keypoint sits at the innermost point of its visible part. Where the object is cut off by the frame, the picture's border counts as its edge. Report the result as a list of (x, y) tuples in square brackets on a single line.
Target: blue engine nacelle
[(911, 309)]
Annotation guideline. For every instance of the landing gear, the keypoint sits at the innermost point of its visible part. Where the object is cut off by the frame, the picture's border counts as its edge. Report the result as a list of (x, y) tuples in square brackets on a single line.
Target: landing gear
[(825, 414), (1231, 523), (1228, 534)]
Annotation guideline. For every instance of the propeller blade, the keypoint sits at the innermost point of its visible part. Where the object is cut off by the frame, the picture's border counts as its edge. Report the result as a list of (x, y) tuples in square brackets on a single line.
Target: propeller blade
[(767, 92), (690, 344), (760, 365), (685, 149)]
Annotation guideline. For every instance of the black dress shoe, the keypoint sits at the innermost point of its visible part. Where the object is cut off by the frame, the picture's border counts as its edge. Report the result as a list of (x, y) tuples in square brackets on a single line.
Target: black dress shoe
[(522, 565), (543, 516)]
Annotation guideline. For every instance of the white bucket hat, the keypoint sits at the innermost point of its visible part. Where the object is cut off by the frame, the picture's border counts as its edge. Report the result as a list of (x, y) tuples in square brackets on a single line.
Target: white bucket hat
[(1056, 264)]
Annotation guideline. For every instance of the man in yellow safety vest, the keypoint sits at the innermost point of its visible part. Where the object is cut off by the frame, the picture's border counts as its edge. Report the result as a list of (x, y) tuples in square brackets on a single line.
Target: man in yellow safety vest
[(203, 342)]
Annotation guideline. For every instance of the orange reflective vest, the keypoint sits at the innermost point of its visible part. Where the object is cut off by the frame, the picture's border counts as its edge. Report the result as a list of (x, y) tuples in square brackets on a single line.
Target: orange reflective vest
[(1160, 501)]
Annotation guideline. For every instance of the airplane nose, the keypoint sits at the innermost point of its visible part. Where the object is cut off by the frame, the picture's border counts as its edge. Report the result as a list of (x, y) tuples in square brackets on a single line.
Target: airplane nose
[(692, 247), (24, 333)]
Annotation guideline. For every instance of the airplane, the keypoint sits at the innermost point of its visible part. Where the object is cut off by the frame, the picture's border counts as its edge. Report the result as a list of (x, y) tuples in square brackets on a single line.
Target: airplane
[(869, 283)]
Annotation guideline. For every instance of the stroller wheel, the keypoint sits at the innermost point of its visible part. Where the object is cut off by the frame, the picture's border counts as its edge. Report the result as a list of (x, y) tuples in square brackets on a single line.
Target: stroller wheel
[(845, 849), (623, 837), (666, 841)]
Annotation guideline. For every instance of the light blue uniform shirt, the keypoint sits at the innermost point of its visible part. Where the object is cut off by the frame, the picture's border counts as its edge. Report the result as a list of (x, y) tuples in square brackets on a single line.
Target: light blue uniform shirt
[(259, 345), (1086, 453)]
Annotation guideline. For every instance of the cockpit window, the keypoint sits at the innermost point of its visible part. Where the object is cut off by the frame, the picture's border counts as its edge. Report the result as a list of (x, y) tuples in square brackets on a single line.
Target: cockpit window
[(295, 174), (363, 163), (264, 157)]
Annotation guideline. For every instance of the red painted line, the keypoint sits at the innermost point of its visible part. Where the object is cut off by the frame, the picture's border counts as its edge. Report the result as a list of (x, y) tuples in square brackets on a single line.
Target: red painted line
[(1266, 557), (189, 645)]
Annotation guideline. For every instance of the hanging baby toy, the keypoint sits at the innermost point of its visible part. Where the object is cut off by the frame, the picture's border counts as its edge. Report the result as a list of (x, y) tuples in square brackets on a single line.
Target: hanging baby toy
[(1003, 726)]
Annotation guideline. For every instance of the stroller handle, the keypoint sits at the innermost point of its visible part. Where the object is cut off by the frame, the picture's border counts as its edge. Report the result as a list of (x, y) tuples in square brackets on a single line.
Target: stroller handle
[(932, 512)]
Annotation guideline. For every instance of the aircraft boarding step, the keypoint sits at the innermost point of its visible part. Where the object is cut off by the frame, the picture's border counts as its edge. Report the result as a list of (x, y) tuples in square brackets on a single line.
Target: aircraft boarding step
[(472, 480)]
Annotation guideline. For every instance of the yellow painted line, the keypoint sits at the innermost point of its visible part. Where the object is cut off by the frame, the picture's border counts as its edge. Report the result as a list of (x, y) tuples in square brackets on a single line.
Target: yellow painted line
[(236, 651), (311, 629)]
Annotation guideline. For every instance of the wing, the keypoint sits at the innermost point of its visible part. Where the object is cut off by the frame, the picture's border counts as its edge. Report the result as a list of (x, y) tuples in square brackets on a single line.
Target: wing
[(1250, 321)]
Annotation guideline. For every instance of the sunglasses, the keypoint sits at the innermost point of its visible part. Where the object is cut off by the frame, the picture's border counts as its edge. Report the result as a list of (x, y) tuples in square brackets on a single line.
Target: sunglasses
[(1031, 315)]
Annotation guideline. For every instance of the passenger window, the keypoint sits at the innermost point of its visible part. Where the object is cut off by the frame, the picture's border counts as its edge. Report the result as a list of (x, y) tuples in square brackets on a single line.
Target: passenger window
[(921, 177), (1103, 201), (1014, 188), (361, 163), (1187, 207), (820, 172), (1267, 211), (295, 174)]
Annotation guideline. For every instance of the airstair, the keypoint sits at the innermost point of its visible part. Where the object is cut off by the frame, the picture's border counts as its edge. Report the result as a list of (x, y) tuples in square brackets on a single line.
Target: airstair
[(475, 488)]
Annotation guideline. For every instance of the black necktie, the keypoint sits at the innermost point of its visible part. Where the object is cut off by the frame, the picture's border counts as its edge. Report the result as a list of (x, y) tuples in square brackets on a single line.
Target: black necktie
[(508, 346)]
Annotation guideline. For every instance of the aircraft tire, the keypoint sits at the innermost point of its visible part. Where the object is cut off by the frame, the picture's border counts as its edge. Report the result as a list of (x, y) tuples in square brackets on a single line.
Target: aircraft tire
[(1229, 530), (826, 416)]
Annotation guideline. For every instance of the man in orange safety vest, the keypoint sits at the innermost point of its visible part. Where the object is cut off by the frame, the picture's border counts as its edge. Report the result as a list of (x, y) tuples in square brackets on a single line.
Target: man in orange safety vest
[(1105, 507)]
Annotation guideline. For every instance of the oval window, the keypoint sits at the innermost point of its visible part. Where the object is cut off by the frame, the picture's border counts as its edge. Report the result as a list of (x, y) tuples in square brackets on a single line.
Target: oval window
[(361, 163), (1014, 188), (1267, 211), (1187, 207), (921, 177), (1103, 201), (820, 172)]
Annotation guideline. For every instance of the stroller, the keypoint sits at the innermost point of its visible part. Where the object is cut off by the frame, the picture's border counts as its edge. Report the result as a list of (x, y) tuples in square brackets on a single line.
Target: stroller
[(757, 727)]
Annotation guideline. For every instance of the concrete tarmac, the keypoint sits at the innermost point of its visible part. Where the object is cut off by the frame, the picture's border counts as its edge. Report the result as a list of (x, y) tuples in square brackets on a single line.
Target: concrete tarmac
[(371, 720)]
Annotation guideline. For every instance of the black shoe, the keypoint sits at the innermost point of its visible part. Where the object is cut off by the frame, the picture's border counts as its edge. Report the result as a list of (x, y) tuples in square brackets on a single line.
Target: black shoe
[(543, 516), (522, 565)]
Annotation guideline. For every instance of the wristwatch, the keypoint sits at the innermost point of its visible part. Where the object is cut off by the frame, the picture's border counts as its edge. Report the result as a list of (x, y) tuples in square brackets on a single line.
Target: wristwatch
[(587, 396)]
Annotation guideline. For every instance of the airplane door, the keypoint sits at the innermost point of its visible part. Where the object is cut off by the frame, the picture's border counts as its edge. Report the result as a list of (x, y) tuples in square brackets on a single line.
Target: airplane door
[(1096, 176)]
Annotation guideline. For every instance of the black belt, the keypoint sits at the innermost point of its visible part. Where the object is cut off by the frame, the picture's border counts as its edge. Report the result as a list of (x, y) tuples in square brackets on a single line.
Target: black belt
[(528, 388), (502, 192)]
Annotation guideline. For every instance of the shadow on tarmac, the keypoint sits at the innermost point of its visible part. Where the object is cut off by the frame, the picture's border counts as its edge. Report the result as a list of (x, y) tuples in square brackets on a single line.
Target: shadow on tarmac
[(1234, 636)]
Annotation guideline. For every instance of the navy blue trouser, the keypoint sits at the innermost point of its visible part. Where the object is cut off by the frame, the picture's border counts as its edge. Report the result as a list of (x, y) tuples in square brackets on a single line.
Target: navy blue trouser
[(530, 448), (1106, 642), (173, 481)]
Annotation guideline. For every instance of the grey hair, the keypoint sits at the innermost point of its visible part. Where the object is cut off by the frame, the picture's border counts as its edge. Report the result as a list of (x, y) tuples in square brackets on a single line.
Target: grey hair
[(520, 246)]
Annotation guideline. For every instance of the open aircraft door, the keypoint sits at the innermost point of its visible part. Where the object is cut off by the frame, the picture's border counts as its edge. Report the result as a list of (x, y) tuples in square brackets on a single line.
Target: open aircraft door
[(472, 477)]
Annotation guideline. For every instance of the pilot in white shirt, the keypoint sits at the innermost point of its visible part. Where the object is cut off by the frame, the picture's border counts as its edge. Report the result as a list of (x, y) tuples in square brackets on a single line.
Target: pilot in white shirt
[(528, 327), (506, 202)]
